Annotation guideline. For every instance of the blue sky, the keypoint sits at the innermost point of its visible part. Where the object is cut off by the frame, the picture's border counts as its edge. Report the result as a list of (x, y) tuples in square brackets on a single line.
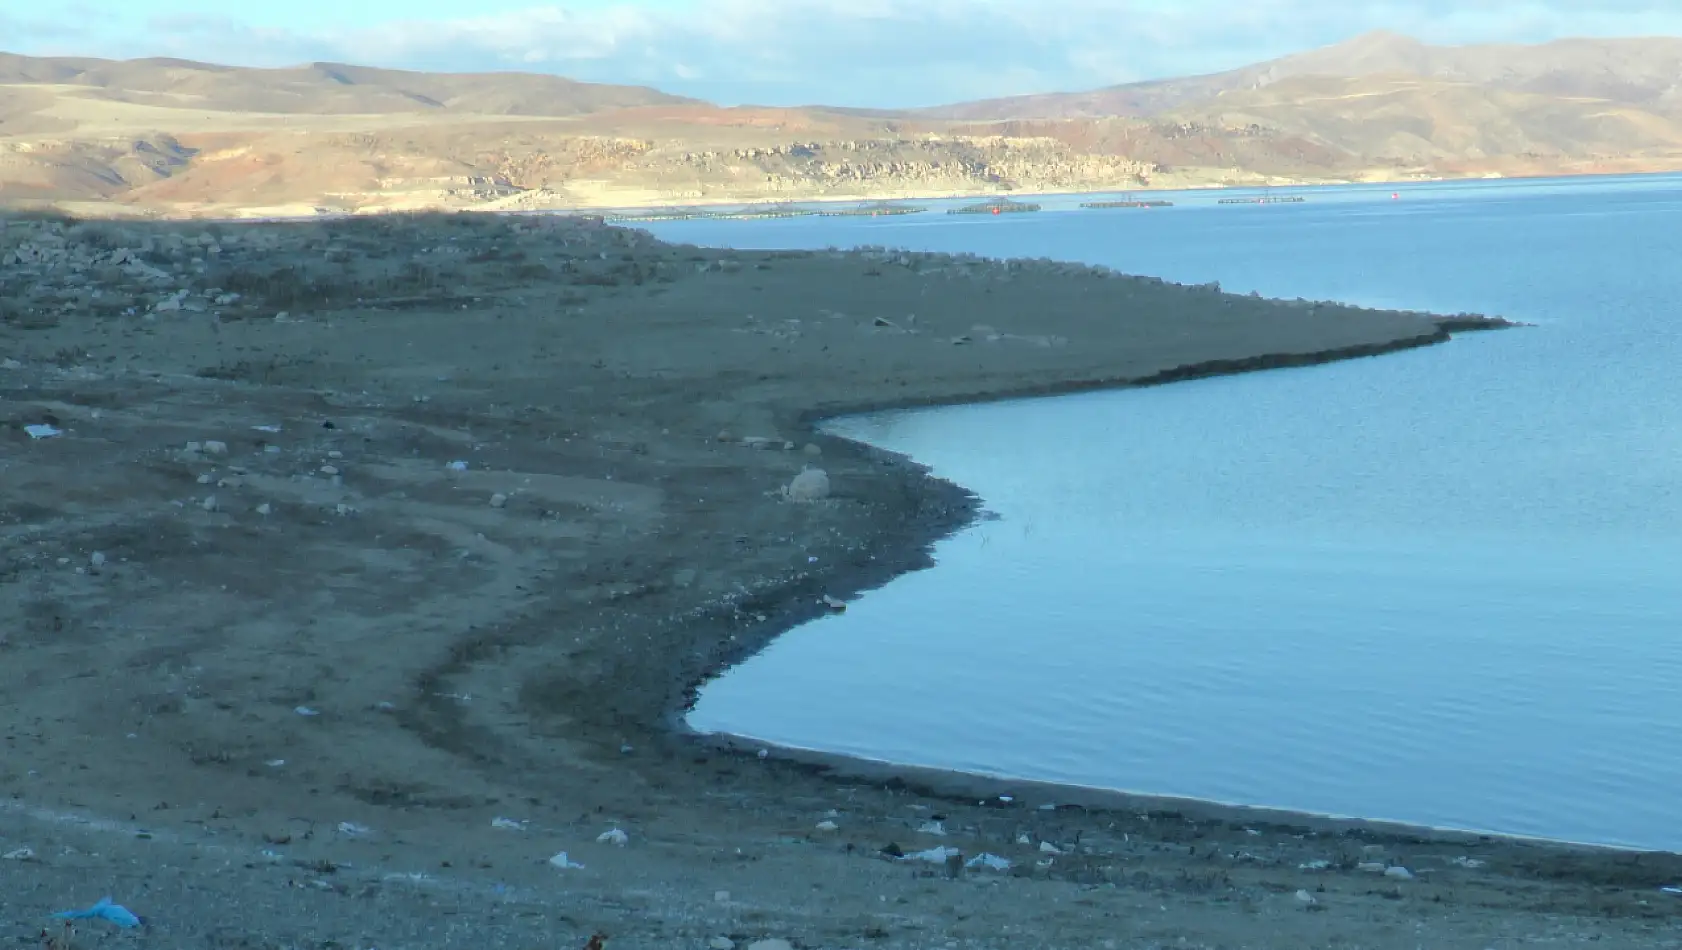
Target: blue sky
[(886, 53)]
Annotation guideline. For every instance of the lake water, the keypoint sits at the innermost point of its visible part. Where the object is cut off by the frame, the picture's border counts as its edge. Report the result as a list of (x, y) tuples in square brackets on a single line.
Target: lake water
[(1442, 586)]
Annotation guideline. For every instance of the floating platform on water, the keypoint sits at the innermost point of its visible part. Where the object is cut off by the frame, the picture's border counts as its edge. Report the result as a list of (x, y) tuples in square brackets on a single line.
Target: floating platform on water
[(1128, 203), (1264, 200), (683, 214), (996, 207), (870, 210), (762, 212)]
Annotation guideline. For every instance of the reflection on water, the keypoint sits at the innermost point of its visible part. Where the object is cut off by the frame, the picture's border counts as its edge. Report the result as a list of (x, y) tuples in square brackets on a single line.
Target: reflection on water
[(1441, 586)]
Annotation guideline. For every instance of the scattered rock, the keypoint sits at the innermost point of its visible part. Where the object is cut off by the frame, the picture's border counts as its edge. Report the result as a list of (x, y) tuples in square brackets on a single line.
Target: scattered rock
[(810, 485), (265, 508), (214, 447), (209, 503), (564, 863), (20, 854), (499, 500), (834, 604), (827, 825), (1306, 898), (721, 943), (97, 559), (1399, 873)]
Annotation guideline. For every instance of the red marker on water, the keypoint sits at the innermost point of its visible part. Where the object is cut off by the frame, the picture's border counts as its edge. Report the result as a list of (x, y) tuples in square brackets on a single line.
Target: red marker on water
[(995, 211)]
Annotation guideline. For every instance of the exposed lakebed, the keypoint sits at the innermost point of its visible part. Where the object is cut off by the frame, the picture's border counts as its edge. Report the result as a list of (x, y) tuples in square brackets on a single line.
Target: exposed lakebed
[(1439, 586)]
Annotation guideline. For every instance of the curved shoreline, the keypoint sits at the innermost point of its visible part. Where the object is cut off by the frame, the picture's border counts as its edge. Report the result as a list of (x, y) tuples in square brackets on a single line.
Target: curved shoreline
[(262, 608), (949, 508)]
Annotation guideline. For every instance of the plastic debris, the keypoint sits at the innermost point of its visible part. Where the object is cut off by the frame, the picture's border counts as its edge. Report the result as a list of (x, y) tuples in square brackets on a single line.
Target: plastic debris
[(457, 466), (104, 910), (931, 828), (266, 428), (1319, 864), (1047, 847), (1466, 862), (306, 711), (1306, 898), (1399, 873), (613, 836), (43, 431), (354, 830), (21, 854), (564, 863), (508, 824), (827, 825), (932, 855), (1668, 890), (991, 862)]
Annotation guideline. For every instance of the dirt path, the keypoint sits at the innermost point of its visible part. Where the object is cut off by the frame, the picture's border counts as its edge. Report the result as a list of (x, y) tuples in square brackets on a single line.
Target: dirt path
[(293, 662)]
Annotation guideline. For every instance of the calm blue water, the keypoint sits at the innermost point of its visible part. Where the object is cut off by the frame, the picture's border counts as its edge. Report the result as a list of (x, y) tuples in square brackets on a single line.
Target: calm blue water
[(1442, 586)]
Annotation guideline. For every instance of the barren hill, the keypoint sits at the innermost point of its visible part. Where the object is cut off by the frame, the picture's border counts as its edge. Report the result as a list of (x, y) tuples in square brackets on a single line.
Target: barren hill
[(1643, 71), (177, 137), (322, 88)]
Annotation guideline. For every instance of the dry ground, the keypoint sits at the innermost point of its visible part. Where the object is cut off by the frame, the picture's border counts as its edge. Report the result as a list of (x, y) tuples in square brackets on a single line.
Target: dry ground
[(271, 668)]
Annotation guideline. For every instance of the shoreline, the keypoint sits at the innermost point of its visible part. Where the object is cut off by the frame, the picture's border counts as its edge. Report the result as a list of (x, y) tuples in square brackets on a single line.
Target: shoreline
[(231, 215), (959, 508), (253, 602)]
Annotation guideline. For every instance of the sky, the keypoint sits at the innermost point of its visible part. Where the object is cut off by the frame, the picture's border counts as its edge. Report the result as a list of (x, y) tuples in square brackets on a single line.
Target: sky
[(882, 53)]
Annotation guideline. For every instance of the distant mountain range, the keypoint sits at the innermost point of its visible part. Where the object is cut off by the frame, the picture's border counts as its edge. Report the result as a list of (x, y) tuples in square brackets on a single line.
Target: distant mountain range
[(177, 136), (1645, 73)]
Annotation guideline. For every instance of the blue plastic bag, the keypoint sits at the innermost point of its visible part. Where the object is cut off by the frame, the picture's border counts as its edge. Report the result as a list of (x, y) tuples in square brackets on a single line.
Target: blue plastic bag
[(104, 910)]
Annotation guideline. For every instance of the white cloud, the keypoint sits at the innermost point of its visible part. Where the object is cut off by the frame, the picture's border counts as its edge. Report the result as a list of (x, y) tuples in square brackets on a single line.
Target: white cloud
[(873, 52)]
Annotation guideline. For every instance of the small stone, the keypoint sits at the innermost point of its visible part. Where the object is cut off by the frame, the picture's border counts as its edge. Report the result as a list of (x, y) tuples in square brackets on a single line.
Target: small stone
[(97, 559), (209, 503), (215, 448), (810, 485), (1306, 898), (721, 943), (1399, 873), (206, 478), (788, 446), (335, 454), (265, 508), (834, 604), (499, 500), (329, 470), (457, 466)]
